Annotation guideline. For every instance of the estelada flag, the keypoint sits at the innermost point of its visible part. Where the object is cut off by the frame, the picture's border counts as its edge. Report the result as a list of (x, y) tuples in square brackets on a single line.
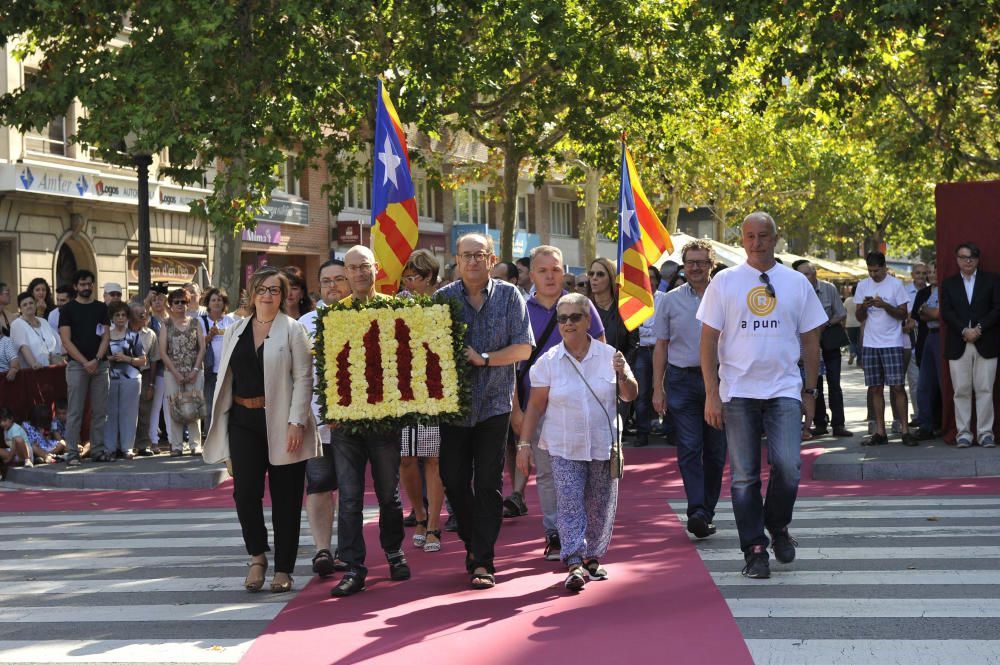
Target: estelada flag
[(394, 203), (642, 240)]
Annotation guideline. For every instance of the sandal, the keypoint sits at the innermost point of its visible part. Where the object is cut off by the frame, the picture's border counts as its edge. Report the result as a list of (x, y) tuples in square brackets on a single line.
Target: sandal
[(419, 539), (595, 571), (433, 545), (281, 587), (482, 580), (254, 586), (575, 580), (323, 564)]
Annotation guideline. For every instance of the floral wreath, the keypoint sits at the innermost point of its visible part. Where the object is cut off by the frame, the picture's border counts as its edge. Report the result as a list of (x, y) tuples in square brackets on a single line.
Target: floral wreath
[(391, 362)]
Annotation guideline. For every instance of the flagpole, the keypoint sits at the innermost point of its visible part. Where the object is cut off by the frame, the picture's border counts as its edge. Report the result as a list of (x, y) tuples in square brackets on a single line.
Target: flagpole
[(371, 193)]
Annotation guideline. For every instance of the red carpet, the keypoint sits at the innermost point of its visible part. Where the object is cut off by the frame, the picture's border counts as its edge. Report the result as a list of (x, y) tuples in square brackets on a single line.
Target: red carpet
[(658, 602)]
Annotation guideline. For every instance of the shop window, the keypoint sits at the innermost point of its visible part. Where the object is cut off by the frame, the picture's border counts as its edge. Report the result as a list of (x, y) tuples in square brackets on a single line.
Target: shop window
[(425, 197), (49, 139), (470, 205), (288, 181), (560, 214)]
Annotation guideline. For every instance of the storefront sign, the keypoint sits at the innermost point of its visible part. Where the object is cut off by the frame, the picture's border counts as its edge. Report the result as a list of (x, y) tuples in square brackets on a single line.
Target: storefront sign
[(165, 268), (268, 234), (349, 232), (285, 212)]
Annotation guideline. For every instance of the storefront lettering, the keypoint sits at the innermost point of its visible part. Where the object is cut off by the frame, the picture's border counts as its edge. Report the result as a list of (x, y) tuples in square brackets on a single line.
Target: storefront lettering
[(268, 234)]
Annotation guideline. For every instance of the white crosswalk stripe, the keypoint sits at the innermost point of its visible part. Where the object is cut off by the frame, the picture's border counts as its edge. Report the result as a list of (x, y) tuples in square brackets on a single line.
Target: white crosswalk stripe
[(876, 580), (131, 587)]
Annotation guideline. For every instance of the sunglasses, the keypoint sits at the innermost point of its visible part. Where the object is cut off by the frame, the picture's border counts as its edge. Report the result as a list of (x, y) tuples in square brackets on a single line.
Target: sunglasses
[(576, 317), (767, 285), (178, 302), (595, 273), (582, 285)]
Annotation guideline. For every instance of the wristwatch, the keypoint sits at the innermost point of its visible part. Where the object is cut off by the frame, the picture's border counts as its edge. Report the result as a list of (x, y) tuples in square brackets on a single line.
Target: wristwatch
[(486, 358), (811, 391)]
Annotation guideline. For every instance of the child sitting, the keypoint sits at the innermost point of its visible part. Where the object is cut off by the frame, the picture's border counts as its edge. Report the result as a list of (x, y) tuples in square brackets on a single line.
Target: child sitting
[(15, 451), (58, 428), (45, 446)]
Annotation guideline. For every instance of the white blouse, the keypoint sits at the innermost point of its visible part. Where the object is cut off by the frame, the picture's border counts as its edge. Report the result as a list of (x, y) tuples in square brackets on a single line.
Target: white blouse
[(576, 426), (41, 340)]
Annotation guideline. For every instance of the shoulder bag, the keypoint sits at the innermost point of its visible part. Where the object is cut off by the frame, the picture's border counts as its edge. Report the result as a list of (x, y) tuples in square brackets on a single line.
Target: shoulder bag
[(537, 351), (617, 457)]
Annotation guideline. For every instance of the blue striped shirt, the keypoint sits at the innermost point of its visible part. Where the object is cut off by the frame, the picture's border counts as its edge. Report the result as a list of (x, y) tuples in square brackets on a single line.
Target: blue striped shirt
[(499, 323)]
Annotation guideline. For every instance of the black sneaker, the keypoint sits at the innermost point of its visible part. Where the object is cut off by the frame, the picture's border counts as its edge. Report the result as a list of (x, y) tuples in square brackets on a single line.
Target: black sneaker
[(411, 519), (923, 435), (451, 524), (145, 452), (819, 430), (757, 566), (399, 570), (514, 506), (349, 584), (700, 526), (909, 440), (553, 548), (783, 546)]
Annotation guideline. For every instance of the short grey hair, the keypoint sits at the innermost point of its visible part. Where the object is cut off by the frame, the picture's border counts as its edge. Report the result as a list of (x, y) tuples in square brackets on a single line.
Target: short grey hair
[(760, 216), (548, 250), (578, 299)]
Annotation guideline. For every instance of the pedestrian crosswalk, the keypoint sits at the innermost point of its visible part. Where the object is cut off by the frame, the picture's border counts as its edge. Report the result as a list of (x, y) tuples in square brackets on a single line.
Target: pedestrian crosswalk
[(875, 580), (131, 587)]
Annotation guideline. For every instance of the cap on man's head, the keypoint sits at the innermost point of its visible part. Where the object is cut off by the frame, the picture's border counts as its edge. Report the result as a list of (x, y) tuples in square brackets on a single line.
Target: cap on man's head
[(159, 287), (112, 287)]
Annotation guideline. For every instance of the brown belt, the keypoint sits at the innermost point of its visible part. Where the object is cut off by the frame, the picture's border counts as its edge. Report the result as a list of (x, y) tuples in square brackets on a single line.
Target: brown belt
[(250, 402)]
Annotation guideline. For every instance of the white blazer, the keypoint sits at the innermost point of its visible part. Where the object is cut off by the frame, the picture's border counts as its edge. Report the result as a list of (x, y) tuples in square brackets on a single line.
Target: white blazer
[(288, 377)]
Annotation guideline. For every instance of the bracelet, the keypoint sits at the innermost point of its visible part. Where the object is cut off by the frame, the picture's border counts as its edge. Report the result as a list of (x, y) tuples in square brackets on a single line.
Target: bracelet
[(523, 444)]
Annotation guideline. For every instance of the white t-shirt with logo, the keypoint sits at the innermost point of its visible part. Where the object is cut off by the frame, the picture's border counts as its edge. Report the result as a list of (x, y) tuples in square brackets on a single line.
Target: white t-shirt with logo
[(882, 331), (759, 341)]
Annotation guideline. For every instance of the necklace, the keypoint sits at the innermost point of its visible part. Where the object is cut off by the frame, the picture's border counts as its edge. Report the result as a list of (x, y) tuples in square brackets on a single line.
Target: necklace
[(256, 320)]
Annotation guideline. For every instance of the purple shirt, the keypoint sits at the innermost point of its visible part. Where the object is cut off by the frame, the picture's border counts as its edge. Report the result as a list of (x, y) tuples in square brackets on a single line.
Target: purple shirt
[(540, 317)]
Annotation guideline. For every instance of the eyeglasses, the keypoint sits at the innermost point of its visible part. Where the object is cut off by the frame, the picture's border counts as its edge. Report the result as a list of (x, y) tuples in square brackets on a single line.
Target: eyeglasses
[(966, 257), (767, 285), (595, 273), (576, 317), (474, 257), (361, 267), (273, 290), (698, 264), (582, 285), (326, 281), (410, 279), (178, 302)]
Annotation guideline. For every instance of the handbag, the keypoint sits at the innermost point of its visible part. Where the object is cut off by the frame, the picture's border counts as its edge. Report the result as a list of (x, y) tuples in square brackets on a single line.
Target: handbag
[(188, 406), (833, 337), (617, 460)]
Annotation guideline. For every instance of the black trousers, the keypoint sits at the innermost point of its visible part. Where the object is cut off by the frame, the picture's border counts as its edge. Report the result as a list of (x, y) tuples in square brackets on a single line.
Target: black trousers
[(471, 466), (248, 454)]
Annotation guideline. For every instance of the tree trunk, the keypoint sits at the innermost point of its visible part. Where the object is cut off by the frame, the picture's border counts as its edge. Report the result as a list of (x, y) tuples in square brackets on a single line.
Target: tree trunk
[(512, 158), (720, 223), (674, 211), (226, 263), (588, 226)]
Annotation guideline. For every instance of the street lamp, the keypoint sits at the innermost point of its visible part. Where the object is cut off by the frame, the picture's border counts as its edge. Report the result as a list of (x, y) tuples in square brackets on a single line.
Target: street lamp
[(142, 161)]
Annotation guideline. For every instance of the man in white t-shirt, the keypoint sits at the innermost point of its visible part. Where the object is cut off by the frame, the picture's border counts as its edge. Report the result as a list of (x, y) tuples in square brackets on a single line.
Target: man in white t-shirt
[(753, 317), (882, 305), (321, 474)]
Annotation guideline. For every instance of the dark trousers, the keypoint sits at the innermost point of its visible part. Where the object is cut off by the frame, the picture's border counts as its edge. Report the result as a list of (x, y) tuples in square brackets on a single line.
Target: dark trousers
[(832, 359), (929, 386), (350, 456), (248, 454), (475, 455)]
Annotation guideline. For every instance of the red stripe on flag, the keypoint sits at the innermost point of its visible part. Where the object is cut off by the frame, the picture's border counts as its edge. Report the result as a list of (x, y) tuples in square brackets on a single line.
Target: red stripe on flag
[(629, 307), (397, 242), (636, 276)]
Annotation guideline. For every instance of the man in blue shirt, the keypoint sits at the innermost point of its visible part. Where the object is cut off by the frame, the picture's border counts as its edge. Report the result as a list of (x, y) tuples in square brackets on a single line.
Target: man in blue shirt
[(472, 449)]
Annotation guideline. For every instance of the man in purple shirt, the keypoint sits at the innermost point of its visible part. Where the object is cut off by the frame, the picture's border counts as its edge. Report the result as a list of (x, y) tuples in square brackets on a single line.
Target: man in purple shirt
[(547, 274)]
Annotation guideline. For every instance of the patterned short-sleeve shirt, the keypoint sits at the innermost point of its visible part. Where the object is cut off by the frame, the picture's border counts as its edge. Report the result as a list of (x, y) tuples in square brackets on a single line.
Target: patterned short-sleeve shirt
[(499, 323)]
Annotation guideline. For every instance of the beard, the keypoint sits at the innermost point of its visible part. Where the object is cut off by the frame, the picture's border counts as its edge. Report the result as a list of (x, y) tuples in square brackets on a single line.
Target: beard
[(86, 293)]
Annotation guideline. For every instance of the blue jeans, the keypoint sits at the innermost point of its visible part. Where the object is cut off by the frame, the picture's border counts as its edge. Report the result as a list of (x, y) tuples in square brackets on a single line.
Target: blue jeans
[(351, 454), (929, 386), (746, 421), (644, 376), (701, 449)]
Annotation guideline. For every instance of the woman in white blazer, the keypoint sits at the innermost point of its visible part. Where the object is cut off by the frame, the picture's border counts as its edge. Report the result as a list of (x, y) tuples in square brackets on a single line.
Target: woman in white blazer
[(262, 423)]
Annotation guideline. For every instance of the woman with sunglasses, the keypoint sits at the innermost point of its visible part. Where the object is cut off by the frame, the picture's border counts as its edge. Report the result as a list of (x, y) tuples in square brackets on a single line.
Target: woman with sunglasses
[(182, 349), (574, 385), (262, 424), (602, 289)]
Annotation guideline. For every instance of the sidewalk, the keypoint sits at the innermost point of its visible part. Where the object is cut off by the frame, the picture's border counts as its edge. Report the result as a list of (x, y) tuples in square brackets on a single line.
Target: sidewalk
[(142, 473)]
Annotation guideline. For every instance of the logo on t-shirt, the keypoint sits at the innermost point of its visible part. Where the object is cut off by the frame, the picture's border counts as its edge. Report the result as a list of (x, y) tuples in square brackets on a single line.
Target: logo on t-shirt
[(759, 302)]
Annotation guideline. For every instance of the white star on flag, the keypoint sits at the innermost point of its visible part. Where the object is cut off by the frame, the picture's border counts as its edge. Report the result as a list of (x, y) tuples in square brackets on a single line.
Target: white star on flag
[(626, 216), (391, 161)]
